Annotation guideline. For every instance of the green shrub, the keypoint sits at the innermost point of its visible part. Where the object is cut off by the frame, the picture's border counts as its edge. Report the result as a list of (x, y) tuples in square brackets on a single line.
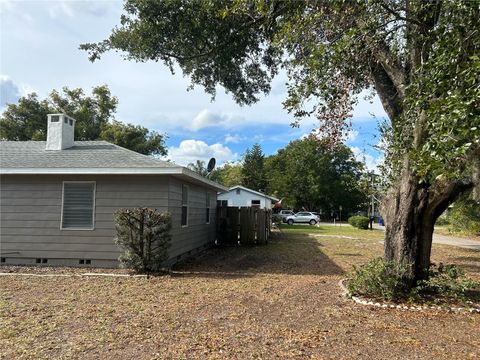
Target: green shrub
[(380, 279), (387, 281), (448, 282), (442, 221), (144, 236), (360, 222), (464, 216), (276, 218)]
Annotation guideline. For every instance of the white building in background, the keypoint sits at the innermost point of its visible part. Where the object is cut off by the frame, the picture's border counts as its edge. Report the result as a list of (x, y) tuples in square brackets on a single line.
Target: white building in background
[(242, 196)]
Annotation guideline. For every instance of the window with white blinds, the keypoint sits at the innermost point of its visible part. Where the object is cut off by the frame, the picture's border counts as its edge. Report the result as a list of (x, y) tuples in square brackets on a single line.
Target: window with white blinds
[(78, 205)]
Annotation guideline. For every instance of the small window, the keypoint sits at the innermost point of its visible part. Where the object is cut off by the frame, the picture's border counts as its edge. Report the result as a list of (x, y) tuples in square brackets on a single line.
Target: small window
[(78, 205), (255, 202), (3, 260), (88, 262), (65, 120), (184, 205), (44, 261), (55, 118), (70, 122), (238, 191), (38, 261), (81, 261), (207, 208)]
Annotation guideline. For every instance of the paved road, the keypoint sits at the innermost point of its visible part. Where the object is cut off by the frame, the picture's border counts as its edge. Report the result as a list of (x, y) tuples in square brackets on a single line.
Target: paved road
[(456, 241), (437, 239), (449, 240)]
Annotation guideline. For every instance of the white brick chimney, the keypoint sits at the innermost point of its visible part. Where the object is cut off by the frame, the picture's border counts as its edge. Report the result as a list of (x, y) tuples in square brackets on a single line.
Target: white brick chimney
[(60, 130)]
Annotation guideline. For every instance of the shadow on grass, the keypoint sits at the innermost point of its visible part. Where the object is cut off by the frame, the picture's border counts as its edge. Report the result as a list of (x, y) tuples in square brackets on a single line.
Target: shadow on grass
[(469, 263), (293, 254)]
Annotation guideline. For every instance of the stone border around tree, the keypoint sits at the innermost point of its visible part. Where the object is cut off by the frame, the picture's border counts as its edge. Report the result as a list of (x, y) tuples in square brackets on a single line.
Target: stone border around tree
[(366, 302)]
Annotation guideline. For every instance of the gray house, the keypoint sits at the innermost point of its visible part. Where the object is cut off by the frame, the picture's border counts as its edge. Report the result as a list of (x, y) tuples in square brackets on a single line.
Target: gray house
[(58, 198)]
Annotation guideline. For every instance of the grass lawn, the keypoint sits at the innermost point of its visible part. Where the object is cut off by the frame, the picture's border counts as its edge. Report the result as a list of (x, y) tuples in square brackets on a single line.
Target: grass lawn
[(276, 301)]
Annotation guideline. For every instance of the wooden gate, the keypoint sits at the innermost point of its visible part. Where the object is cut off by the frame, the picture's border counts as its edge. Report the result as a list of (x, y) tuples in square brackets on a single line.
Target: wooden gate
[(244, 225)]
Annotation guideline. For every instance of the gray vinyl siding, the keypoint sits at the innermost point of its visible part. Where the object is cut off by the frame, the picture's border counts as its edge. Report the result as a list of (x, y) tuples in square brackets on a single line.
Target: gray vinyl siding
[(30, 216), (197, 233)]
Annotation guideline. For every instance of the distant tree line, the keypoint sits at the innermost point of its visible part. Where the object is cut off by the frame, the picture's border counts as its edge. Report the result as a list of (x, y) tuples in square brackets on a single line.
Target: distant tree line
[(306, 174), (95, 115)]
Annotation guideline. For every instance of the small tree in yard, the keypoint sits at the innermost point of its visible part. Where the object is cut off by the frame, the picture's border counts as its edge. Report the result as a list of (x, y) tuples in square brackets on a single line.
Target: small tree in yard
[(144, 235)]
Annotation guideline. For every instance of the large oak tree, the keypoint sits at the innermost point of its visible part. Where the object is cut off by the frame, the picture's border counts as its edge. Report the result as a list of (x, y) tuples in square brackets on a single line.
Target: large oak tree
[(420, 57)]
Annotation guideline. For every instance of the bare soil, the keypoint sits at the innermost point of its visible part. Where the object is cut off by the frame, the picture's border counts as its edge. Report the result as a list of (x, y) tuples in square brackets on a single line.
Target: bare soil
[(272, 302)]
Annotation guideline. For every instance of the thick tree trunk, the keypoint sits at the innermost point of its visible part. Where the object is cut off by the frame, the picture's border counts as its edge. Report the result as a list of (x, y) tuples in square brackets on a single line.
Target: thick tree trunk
[(409, 227), (410, 212)]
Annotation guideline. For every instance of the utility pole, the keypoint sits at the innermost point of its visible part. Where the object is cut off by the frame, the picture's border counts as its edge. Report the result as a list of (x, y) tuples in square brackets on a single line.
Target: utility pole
[(372, 195)]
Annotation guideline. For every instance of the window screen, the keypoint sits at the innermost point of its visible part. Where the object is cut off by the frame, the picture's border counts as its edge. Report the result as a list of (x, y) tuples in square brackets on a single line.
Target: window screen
[(255, 202), (78, 205), (184, 205)]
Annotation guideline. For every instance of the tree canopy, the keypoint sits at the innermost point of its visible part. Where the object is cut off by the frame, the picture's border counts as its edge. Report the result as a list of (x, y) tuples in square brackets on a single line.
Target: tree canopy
[(419, 57), (229, 174), (253, 171), (95, 115), (200, 167), (308, 174)]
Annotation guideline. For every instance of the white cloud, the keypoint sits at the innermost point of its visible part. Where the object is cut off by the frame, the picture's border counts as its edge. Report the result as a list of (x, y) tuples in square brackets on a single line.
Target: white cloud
[(72, 8), (9, 91), (351, 135), (234, 139), (61, 8), (207, 118), (368, 108), (192, 150), (370, 162), (204, 119), (8, 7)]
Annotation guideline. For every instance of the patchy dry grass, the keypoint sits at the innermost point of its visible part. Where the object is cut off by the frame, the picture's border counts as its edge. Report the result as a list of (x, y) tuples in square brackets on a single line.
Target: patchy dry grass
[(275, 301)]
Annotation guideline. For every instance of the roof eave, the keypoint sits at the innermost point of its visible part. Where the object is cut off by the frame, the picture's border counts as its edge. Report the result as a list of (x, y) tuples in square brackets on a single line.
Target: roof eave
[(252, 191), (179, 170)]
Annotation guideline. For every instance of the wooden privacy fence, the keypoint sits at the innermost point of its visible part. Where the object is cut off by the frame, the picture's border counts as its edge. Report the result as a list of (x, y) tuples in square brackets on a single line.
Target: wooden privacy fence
[(244, 225)]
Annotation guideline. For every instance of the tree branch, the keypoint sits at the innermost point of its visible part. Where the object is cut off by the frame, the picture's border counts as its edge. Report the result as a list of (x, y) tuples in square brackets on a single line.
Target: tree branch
[(442, 194), (398, 16), (386, 90)]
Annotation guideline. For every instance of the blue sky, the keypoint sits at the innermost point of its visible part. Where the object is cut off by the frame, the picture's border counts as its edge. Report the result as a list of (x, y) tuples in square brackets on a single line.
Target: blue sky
[(39, 52)]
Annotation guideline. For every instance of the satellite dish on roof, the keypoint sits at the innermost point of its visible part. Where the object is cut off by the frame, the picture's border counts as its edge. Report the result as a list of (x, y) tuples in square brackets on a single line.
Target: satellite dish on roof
[(211, 164)]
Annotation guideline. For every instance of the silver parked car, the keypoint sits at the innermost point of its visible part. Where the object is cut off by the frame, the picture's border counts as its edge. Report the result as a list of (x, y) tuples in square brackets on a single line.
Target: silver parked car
[(285, 213), (303, 217)]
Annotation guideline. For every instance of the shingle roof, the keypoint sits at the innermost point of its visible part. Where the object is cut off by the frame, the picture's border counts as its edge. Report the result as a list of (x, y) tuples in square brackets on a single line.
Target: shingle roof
[(84, 154), (251, 191), (88, 157)]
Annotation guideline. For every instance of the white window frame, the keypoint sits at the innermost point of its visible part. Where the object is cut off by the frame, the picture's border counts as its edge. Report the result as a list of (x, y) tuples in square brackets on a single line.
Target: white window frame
[(208, 204), (94, 204), (186, 205), (259, 202)]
